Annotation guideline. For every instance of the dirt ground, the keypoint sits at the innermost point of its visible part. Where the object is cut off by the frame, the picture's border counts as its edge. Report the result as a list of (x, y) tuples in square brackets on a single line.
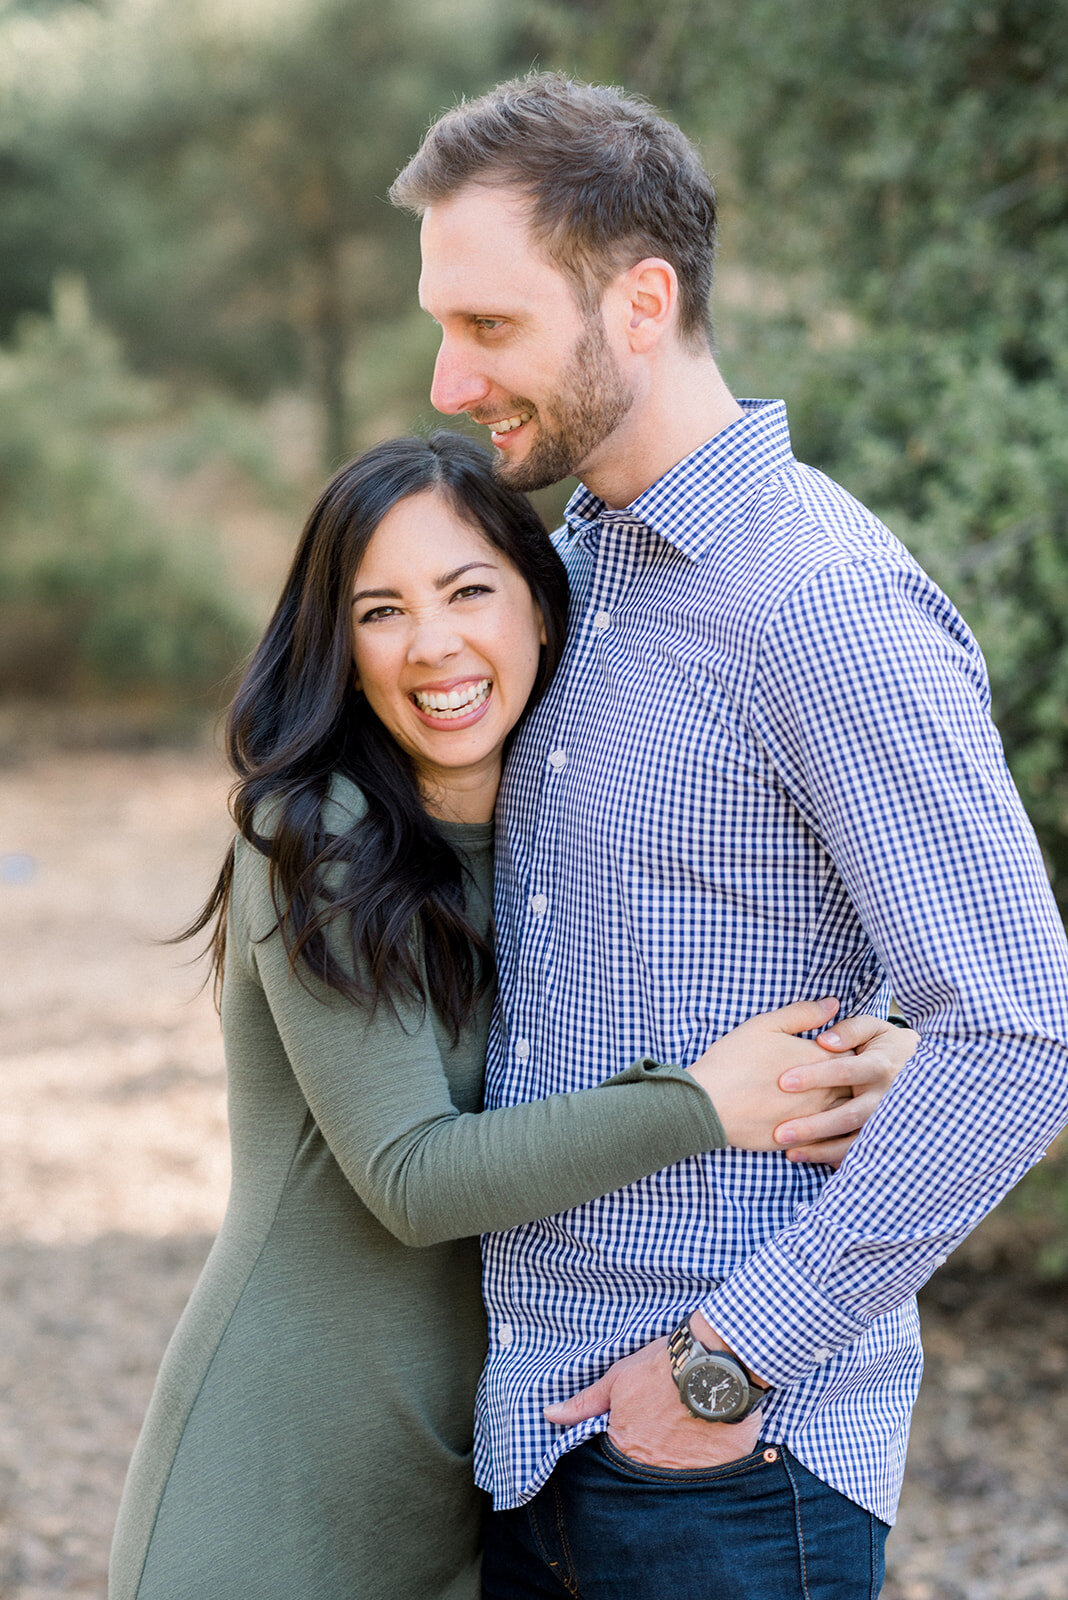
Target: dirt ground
[(113, 1175)]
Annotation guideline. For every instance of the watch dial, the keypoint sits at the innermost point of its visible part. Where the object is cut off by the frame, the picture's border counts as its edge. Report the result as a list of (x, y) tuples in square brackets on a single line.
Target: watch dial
[(715, 1391)]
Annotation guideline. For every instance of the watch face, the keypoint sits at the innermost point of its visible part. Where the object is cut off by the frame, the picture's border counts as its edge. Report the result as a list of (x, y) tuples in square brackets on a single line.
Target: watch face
[(714, 1390)]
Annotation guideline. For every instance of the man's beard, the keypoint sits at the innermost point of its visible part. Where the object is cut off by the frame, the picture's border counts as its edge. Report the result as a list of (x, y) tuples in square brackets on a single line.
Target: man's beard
[(591, 402)]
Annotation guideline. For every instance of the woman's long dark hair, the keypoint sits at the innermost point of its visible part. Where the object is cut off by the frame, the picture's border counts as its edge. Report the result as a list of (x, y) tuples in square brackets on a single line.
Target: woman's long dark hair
[(298, 718)]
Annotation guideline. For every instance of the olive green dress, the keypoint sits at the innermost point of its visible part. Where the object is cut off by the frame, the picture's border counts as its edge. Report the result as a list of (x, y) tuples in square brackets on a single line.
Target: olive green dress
[(309, 1436)]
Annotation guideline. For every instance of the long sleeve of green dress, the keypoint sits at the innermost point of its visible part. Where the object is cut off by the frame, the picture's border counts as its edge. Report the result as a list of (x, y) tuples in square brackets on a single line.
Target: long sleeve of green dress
[(428, 1171)]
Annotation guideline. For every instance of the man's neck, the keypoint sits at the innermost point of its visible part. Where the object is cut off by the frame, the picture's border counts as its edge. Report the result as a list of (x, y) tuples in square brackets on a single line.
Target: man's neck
[(685, 404)]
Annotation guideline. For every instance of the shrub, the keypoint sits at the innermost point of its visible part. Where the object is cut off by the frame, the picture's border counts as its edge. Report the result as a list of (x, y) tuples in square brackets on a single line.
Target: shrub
[(94, 599)]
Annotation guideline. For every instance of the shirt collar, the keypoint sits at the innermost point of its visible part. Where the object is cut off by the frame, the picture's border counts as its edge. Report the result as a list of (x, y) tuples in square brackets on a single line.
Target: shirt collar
[(702, 497)]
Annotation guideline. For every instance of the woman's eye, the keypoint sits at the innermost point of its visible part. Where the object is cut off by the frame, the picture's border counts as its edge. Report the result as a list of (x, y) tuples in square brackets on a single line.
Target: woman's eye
[(378, 612), (471, 589)]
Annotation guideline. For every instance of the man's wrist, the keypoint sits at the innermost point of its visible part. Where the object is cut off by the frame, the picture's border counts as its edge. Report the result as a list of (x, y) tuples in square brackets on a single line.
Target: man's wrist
[(704, 1332), (713, 1384)]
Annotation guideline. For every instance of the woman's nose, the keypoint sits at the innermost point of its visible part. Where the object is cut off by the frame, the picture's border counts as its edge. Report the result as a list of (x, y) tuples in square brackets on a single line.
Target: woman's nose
[(433, 641)]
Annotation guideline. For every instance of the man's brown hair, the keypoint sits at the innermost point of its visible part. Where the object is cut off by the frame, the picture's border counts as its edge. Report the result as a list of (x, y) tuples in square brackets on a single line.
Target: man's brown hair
[(608, 182)]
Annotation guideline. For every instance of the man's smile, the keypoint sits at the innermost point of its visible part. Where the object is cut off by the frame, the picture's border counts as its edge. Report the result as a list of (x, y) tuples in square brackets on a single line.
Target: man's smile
[(508, 424)]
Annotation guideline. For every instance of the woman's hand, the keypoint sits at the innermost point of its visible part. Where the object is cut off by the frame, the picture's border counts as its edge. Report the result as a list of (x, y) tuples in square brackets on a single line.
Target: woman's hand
[(868, 1054), (774, 1091)]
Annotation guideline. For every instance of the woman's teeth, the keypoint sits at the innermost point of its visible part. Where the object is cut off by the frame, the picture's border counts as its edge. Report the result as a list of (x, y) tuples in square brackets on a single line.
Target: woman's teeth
[(455, 703)]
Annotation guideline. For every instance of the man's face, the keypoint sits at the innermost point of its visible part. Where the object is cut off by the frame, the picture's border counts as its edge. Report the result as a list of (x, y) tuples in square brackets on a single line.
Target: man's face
[(517, 353)]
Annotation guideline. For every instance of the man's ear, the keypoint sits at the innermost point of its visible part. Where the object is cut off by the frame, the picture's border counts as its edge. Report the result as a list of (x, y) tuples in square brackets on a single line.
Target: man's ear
[(651, 295)]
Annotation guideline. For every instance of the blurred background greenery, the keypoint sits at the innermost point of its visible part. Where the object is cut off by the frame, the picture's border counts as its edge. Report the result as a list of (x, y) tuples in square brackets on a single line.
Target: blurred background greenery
[(206, 303)]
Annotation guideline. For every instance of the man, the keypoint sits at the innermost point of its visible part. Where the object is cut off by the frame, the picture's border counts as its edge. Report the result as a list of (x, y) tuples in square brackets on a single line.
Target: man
[(765, 770)]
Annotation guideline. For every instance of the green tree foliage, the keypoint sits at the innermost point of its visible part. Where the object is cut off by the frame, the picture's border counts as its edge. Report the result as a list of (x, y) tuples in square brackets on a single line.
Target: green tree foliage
[(93, 600), (218, 174), (666, 51)]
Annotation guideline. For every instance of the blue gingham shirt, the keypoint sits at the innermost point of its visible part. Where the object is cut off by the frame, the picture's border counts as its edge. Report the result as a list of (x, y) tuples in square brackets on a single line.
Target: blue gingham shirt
[(765, 770)]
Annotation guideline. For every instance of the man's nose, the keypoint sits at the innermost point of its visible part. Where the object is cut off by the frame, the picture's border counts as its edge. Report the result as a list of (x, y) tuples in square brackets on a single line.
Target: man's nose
[(457, 385)]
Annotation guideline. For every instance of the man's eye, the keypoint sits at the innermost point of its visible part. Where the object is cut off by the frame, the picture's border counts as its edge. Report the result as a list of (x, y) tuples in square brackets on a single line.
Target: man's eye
[(488, 324)]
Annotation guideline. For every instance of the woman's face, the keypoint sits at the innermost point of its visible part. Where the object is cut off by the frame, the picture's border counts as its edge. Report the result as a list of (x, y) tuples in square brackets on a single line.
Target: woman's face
[(446, 638)]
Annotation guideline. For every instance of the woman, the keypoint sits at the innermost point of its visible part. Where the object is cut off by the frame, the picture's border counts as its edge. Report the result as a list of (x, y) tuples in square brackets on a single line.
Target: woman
[(310, 1430)]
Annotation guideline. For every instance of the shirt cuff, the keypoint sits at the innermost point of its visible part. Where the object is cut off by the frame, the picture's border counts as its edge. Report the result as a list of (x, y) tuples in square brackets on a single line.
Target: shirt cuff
[(777, 1320)]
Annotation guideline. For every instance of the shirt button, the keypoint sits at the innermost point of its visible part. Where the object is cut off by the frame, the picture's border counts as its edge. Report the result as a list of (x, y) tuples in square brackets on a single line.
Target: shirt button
[(822, 1354), (505, 1333), (522, 1049), (602, 621), (539, 904), (558, 760)]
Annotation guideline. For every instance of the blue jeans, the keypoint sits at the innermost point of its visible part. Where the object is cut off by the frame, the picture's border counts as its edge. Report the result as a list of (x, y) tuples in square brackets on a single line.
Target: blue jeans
[(608, 1528)]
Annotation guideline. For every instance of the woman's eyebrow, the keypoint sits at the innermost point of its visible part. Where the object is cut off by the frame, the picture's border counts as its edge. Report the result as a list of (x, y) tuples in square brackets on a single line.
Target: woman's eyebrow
[(439, 583), (458, 572)]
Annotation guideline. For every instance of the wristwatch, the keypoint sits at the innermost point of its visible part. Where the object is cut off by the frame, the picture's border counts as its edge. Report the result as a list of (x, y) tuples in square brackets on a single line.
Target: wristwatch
[(712, 1384)]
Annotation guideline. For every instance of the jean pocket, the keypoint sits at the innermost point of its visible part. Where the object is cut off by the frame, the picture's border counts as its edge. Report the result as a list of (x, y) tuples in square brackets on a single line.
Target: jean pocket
[(762, 1457)]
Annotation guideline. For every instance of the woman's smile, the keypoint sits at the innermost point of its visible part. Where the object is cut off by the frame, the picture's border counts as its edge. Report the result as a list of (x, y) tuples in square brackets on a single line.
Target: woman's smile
[(453, 706)]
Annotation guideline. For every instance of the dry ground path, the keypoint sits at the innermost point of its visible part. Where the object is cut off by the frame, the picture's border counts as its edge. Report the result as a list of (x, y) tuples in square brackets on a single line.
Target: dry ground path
[(113, 1173)]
